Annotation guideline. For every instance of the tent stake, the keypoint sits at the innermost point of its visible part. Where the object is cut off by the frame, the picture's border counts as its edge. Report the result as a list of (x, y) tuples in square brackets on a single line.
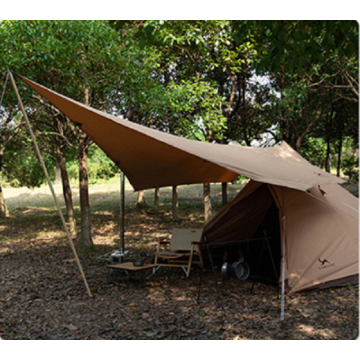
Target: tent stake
[(49, 182)]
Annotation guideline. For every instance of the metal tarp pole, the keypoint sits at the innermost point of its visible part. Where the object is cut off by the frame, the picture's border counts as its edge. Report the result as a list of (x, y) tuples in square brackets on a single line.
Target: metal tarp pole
[(49, 182), (122, 212)]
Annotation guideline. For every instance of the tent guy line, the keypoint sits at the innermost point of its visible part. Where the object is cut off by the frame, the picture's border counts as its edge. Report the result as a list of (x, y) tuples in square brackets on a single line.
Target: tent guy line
[(352, 208), (327, 204)]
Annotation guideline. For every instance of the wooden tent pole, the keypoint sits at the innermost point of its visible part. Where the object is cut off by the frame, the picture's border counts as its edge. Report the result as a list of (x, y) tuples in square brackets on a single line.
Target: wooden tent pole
[(49, 182)]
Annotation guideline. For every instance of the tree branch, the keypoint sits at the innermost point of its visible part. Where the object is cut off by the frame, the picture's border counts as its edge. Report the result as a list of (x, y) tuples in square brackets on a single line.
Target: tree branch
[(12, 135)]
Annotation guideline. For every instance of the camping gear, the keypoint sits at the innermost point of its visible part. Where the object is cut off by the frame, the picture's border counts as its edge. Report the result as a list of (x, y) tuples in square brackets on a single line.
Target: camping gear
[(138, 262), (183, 245), (225, 271), (129, 266), (246, 271), (237, 270), (240, 269), (117, 257), (226, 267)]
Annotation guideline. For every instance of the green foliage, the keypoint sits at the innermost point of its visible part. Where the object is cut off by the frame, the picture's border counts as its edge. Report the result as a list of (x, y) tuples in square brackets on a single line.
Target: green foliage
[(19, 163), (296, 44), (166, 82), (199, 96), (23, 168), (196, 78), (350, 167), (139, 96), (100, 167), (314, 150), (313, 67), (66, 56), (61, 48)]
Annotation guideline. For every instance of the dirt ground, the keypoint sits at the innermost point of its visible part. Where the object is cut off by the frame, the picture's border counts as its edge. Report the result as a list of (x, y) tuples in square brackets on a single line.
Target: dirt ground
[(42, 295)]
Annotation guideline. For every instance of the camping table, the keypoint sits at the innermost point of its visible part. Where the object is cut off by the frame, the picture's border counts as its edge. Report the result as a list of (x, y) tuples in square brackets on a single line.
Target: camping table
[(129, 266)]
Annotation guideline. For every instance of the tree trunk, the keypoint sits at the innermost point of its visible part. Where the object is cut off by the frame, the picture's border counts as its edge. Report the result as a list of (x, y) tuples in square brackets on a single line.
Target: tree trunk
[(141, 202), (224, 193), (175, 205), (66, 190), (283, 111), (3, 208), (342, 122), (207, 203), (328, 155), (298, 144), (57, 174), (328, 142), (156, 199), (85, 236), (338, 167)]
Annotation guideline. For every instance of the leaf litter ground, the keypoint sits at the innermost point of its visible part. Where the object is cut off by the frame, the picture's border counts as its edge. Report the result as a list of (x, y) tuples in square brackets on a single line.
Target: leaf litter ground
[(42, 295)]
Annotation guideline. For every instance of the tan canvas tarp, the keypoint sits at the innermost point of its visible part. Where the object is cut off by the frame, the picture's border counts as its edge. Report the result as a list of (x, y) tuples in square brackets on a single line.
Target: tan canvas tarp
[(151, 158), (321, 230)]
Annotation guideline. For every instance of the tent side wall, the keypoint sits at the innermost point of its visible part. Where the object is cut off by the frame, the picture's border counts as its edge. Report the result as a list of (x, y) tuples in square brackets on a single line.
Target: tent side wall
[(321, 237)]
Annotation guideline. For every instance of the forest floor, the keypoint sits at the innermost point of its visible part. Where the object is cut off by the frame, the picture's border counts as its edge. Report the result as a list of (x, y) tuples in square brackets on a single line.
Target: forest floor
[(42, 295)]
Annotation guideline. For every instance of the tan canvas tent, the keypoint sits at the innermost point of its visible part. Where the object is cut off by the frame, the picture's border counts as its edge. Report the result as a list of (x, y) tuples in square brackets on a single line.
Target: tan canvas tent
[(316, 220)]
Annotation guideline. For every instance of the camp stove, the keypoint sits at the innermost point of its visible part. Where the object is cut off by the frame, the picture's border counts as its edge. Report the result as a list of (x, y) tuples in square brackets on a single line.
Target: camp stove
[(117, 257)]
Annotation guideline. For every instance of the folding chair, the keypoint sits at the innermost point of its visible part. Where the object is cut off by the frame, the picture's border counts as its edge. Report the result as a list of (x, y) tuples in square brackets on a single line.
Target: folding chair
[(183, 245)]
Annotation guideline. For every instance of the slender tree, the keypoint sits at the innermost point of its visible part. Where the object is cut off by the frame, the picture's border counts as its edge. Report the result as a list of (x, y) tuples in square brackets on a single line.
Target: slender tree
[(8, 130), (77, 58)]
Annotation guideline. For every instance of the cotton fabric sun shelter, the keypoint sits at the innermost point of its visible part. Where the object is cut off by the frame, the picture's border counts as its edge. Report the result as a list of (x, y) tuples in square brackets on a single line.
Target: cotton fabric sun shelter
[(152, 158), (314, 226)]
